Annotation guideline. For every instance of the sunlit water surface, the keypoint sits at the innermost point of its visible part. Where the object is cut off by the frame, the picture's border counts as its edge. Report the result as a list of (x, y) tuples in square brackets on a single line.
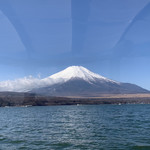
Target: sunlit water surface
[(91, 127)]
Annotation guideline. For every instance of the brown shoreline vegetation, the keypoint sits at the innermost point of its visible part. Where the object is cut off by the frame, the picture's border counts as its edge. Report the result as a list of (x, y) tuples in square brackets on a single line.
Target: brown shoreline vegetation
[(31, 99)]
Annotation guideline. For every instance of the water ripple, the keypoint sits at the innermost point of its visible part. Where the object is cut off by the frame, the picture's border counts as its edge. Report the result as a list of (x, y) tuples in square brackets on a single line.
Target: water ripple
[(103, 127)]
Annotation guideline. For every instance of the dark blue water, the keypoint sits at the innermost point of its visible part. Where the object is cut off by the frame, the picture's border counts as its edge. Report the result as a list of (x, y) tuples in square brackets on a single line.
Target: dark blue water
[(101, 127)]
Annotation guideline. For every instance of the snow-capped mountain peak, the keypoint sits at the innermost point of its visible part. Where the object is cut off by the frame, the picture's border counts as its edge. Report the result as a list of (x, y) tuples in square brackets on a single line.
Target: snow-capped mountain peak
[(72, 72), (73, 81), (77, 72)]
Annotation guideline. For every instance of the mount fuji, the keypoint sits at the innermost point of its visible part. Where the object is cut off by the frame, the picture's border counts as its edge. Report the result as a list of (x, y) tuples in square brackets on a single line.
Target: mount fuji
[(79, 81)]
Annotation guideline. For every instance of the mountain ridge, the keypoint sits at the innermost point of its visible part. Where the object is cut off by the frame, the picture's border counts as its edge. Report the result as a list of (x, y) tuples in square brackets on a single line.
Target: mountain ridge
[(72, 81), (79, 81)]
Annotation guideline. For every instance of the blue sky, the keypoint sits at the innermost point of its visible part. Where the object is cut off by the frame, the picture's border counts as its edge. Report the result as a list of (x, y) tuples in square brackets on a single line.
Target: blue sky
[(109, 37)]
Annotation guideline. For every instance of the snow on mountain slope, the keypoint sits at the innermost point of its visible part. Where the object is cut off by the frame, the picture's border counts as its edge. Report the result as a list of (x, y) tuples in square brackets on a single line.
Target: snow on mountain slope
[(77, 72), (79, 81), (73, 72)]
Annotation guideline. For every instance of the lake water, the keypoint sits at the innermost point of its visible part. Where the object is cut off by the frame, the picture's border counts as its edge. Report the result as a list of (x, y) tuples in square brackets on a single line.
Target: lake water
[(91, 127)]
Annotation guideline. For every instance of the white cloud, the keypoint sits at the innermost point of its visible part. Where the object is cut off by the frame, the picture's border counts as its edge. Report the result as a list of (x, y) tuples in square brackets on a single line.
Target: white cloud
[(24, 84)]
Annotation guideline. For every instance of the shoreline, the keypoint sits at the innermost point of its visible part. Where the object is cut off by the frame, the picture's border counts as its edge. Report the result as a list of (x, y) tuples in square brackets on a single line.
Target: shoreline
[(30, 99)]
